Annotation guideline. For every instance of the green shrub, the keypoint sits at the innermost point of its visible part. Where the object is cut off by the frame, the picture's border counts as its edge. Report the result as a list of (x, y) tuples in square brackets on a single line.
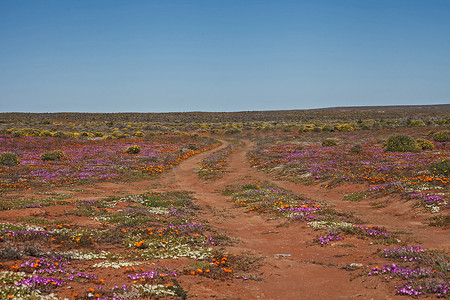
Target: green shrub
[(232, 131), (346, 127), (356, 149), (401, 143), (424, 144), (52, 155), (46, 133), (98, 134), (328, 128), (135, 149), (445, 121), (329, 143), (17, 133), (8, 159), (26, 132), (417, 123), (70, 135), (60, 135), (119, 135), (139, 134), (442, 136), (441, 168)]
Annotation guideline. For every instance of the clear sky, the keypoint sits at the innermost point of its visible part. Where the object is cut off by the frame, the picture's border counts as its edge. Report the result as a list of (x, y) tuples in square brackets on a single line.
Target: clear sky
[(229, 55)]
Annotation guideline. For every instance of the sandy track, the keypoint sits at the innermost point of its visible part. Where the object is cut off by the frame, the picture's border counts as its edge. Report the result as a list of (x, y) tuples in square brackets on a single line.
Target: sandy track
[(306, 274)]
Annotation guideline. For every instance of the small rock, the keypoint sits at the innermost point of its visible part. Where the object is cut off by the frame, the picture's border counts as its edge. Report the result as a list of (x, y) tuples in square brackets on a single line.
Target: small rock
[(356, 265), (282, 255)]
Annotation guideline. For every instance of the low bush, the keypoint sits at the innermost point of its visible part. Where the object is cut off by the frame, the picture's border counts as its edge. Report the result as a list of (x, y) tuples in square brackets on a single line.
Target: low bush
[(52, 155), (442, 136), (119, 135), (346, 127), (60, 135), (417, 123), (441, 168), (9, 159), (46, 133), (139, 134), (425, 144), (401, 143), (329, 143), (135, 149), (232, 131)]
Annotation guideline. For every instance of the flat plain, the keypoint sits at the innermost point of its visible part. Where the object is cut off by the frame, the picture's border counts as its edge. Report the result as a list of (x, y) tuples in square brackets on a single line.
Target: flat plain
[(343, 203)]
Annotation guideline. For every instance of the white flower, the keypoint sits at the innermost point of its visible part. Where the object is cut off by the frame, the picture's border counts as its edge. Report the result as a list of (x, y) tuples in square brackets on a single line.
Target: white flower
[(116, 265), (330, 224)]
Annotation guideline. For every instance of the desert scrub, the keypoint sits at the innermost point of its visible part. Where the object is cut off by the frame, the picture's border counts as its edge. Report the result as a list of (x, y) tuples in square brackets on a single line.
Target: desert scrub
[(9, 159), (441, 168), (401, 143), (425, 144), (119, 135), (442, 136), (135, 149), (52, 155), (329, 143)]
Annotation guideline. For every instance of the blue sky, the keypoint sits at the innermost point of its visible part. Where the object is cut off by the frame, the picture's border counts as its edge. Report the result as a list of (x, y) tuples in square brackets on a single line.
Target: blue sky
[(163, 56)]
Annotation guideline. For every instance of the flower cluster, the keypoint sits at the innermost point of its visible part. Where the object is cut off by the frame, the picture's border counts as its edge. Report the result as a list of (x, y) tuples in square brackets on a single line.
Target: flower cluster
[(326, 239), (425, 272), (411, 253), (45, 265), (396, 271)]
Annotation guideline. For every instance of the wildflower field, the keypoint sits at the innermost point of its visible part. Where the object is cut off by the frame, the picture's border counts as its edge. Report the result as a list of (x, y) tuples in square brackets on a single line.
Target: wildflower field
[(410, 174), (255, 205), (92, 160)]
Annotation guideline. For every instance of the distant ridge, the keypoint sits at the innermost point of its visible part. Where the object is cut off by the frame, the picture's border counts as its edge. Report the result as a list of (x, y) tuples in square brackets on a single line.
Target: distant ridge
[(427, 107), (440, 107), (350, 113)]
